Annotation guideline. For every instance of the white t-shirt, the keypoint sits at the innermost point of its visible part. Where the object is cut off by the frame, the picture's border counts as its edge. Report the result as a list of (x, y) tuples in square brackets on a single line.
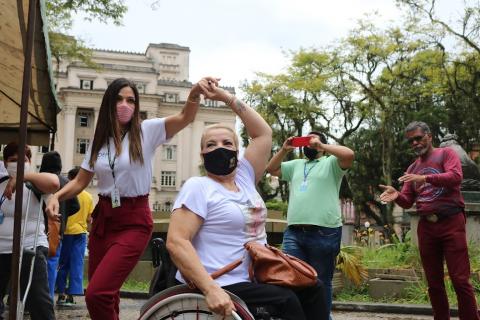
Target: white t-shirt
[(229, 220), (6, 228), (132, 179)]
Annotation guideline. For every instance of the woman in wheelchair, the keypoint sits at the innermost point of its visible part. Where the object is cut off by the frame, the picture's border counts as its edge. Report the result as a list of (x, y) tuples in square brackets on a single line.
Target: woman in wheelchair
[(215, 215)]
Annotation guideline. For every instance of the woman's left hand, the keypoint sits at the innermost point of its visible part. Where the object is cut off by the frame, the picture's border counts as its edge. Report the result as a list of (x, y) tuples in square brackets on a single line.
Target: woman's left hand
[(200, 87), (212, 91)]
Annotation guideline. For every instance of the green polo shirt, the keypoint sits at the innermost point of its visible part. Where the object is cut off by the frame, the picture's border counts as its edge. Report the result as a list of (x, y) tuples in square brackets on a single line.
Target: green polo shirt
[(314, 191)]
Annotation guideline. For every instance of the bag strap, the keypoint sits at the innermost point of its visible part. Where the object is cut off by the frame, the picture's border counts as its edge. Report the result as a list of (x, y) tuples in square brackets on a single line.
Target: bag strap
[(3, 179), (220, 272)]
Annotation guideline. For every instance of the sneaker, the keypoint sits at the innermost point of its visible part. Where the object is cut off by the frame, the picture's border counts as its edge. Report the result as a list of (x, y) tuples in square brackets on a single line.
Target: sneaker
[(69, 301), (61, 301)]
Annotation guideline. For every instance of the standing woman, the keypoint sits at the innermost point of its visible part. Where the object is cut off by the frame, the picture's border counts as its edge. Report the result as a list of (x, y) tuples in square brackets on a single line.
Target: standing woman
[(121, 156)]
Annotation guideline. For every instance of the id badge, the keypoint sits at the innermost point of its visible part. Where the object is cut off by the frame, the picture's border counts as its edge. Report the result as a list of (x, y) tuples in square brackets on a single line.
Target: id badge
[(1, 217), (115, 196), (303, 186)]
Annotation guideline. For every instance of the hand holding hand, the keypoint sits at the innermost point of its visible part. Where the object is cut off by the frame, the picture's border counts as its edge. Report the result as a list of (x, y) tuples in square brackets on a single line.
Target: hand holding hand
[(212, 91), (52, 208), (199, 87), (218, 301), (389, 193)]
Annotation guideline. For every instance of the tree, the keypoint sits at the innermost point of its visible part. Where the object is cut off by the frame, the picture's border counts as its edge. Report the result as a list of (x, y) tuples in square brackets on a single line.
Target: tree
[(462, 67), (60, 17)]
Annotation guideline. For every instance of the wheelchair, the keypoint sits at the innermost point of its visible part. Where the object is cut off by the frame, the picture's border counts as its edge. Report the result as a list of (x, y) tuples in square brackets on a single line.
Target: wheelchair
[(171, 301)]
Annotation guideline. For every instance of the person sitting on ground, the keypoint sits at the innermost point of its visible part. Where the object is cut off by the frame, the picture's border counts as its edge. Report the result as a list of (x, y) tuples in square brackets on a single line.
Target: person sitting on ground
[(213, 216)]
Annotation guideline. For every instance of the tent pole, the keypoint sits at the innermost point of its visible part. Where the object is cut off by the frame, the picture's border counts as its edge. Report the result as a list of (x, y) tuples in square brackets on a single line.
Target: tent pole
[(27, 76)]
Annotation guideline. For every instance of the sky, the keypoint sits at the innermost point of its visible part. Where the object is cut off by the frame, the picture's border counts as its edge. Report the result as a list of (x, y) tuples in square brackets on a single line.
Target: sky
[(233, 39)]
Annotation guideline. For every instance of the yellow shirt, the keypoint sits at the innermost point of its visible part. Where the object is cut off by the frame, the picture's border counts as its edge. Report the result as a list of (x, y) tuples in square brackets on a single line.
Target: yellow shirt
[(77, 223)]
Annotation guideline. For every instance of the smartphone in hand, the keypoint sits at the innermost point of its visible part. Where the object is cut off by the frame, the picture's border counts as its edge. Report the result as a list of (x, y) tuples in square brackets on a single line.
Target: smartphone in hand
[(300, 141)]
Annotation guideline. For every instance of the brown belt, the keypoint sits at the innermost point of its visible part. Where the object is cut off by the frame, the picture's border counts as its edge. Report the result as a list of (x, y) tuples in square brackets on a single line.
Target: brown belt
[(435, 217)]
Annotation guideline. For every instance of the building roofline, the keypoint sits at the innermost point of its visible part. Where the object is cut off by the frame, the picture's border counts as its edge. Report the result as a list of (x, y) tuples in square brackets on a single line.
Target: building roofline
[(119, 51), (164, 45)]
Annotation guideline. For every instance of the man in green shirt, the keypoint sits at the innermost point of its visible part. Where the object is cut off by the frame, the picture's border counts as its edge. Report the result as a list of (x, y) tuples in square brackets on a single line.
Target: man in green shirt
[(314, 218)]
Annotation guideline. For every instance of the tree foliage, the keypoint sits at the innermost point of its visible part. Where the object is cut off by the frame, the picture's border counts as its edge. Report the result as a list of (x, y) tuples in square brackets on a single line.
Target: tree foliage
[(363, 90), (60, 14)]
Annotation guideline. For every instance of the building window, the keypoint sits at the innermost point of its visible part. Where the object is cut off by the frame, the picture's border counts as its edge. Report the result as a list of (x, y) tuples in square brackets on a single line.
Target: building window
[(166, 206), (143, 115), (169, 152), (171, 97), (140, 87), (168, 178), (84, 118), (211, 103), (86, 84), (82, 145), (43, 149)]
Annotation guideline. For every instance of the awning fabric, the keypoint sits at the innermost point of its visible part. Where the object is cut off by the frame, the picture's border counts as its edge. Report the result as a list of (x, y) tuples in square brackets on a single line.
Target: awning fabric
[(43, 105)]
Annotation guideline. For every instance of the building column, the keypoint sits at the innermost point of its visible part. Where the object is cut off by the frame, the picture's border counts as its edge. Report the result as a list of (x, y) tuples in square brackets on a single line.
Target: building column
[(69, 143)]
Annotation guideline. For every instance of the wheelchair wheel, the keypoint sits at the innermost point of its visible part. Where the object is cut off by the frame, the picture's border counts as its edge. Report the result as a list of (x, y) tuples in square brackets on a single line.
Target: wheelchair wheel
[(181, 302)]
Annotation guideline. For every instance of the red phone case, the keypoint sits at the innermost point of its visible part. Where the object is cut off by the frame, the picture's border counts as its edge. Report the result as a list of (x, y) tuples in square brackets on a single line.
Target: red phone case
[(300, 141)]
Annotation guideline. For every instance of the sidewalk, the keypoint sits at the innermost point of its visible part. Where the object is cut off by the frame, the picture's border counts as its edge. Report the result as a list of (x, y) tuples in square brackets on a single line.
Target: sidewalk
[(131, 302)]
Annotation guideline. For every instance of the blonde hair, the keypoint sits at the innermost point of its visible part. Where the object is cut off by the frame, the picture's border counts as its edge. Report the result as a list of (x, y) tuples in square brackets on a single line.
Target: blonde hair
[(218, 126)]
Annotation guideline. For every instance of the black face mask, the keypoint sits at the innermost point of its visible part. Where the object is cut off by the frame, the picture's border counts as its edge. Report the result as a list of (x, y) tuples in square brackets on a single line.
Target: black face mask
[(310, 153), (220, 161)]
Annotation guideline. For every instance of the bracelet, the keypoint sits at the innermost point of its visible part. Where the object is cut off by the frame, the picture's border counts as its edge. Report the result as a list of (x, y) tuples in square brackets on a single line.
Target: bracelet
[(230, 100)]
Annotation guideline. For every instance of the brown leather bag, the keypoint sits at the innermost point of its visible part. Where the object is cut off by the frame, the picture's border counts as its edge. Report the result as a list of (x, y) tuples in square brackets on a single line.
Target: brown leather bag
[(53, 236), (271, 265)]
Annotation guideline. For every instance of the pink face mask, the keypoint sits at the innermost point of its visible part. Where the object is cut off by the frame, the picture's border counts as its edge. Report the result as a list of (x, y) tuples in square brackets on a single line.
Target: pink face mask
[(124, 113)]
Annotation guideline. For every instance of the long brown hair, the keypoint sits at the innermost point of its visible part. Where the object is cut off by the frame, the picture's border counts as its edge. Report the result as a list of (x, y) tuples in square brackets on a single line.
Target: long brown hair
[(108, 126)]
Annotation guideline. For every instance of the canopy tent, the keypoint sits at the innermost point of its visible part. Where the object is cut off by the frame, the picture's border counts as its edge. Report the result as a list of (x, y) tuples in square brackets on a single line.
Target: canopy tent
[(42, 103), (28, 104)]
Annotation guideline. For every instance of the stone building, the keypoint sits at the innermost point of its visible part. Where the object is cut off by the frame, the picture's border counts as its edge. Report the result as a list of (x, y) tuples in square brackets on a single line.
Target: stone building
[(162, 77)]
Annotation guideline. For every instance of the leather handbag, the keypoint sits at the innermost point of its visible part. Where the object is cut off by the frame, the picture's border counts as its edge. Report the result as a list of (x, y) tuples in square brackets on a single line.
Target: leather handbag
[(270, 265), (53, 235)]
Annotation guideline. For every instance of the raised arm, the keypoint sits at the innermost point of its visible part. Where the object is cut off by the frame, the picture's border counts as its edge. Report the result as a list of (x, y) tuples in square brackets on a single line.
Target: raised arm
[(175, 123), (344, 155), (274, 165), (184, 225), (258, 150)]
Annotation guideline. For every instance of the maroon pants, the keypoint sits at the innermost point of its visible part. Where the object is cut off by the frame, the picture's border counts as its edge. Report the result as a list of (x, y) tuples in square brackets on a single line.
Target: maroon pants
[(118, 238), (446, 239)]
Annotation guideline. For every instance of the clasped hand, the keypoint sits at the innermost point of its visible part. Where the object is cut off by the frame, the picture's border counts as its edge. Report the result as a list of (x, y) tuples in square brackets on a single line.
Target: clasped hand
[(208, 86)]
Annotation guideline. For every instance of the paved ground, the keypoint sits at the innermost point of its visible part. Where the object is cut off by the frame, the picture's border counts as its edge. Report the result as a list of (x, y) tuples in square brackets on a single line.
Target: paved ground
[(129, 310)]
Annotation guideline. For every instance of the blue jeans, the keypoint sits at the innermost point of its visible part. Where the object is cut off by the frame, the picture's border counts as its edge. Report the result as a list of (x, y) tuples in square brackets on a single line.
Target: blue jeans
[(319, 248)]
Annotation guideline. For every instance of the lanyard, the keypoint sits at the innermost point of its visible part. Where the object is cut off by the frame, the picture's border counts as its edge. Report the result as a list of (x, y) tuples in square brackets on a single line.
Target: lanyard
[(2, 200), (111, 163), (305, 172)]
